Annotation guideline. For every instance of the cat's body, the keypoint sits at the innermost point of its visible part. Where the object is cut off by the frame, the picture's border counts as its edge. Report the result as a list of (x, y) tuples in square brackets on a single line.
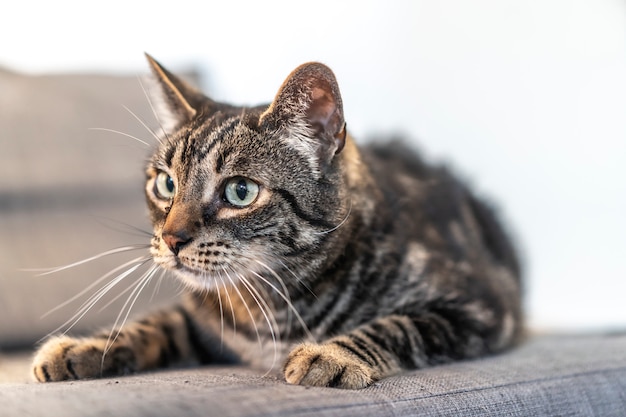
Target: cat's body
[(285, 232)]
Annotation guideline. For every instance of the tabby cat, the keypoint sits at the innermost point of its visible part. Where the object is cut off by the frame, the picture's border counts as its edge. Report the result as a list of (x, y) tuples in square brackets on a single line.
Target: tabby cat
[(344, 264)]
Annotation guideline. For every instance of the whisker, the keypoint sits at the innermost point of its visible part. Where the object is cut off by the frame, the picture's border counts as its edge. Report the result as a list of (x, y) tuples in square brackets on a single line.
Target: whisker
[(219, 300), (152, 132), (116, 225), (298, 279), (157, 287), (345, 219), (93, 300), (122, 293), (245, 304), (265, 310), (139, 285), (230, 301), (285, 291), (285, 298), (53, 270), (154, 112), (139, 260), (104, 129)]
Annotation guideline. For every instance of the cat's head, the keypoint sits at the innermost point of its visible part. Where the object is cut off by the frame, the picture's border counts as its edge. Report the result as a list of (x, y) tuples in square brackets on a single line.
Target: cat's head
[(239, 194)]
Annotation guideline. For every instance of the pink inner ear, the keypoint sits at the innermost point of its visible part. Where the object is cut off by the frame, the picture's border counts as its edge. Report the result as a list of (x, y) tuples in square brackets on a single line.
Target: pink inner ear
[(322, 107)]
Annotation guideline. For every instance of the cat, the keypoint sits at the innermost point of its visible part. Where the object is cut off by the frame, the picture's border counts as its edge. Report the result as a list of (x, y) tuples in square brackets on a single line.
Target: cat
[(344, 264)]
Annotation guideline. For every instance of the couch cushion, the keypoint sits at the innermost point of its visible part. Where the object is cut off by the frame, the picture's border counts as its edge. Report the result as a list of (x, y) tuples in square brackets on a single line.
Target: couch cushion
[(66, 193), (547, 376)]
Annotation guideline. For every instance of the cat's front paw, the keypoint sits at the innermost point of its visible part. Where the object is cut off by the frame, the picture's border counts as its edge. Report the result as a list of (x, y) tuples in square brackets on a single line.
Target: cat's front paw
[(65, 358), (327, 365)]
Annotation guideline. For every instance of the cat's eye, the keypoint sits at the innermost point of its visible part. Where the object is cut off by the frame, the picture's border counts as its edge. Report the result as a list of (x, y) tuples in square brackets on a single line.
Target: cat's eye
[(241, 192), (165, 187)]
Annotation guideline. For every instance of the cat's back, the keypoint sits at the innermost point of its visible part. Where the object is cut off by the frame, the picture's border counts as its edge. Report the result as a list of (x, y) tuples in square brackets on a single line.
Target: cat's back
[(411, 185), (432, 205)]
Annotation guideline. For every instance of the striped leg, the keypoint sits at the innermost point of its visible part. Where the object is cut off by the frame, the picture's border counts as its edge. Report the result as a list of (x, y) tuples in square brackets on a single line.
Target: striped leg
[(159, 340), (376, 350)]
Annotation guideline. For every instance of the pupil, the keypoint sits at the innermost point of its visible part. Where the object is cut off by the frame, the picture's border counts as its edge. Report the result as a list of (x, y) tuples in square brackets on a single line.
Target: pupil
[(241, 190), (169, 184)]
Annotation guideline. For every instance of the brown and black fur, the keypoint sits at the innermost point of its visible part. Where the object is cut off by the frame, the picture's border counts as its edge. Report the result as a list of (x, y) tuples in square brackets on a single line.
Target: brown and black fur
[(351, 265)]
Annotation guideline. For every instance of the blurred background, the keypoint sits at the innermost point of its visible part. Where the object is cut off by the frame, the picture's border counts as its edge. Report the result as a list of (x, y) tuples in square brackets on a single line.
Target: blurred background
[(526, 100)]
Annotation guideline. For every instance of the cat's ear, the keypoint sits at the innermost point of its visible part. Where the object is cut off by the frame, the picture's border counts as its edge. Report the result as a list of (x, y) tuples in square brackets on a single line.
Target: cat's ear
[(308, 105), (177, 102)]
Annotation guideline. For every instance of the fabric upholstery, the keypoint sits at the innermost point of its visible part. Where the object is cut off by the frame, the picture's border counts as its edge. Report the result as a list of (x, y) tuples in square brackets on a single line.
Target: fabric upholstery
[(547, 376)]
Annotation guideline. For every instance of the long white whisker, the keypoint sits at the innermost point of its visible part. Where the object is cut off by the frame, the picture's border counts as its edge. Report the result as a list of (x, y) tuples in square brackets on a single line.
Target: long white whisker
[(274, 327), (152, 132), (157, 287), (285, 290), (230, 301), (93, 300), (128, 306), (278, 278), (276, 336), (53, 270), (104, 129), (115, 224), (245, 304), (345, 219), (305, 328), (123, 292), (154, 112), (139, 260), (298, 279), (267, 313), (219, 300)]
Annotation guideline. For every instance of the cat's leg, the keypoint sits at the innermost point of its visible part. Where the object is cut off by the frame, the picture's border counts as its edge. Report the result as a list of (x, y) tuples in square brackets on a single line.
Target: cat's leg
[(383, 348), (353, 360), (164, 338)]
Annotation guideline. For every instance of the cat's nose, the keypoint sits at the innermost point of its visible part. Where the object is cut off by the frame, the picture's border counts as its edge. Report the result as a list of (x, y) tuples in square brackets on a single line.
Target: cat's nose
[(180, 226), (176, 241)]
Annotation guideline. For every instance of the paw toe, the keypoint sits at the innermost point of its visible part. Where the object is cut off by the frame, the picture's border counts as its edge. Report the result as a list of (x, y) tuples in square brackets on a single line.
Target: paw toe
[(326, 366), (64, 358)]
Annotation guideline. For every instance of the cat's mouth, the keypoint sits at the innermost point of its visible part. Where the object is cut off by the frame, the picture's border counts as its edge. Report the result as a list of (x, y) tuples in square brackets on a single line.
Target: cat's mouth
[(205, 266), (196, 277)]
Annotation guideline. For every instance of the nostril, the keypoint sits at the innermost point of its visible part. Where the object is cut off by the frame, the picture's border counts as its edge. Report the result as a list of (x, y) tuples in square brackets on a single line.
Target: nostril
[(176, 241)]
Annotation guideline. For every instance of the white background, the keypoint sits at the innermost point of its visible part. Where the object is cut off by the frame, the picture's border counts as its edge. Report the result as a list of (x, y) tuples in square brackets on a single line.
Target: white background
[(526, 99)]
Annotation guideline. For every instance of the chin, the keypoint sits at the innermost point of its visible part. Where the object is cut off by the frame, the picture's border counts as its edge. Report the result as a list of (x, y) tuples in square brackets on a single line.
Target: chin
[(200, 280)]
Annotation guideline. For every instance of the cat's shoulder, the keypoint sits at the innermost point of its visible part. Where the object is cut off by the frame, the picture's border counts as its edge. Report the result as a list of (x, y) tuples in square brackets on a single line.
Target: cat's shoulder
[(397, 156)]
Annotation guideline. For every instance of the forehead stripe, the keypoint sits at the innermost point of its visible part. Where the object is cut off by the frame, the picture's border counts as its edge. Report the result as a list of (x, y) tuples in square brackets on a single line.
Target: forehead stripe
[(217, 136)]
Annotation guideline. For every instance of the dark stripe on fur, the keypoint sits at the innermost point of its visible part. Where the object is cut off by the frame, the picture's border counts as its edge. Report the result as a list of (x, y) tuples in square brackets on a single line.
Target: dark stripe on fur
[(202, 354), (336, 381), (437, 338), (364, 348), (403, 347), (291, 200), (353, 351), (361, 291), (46, 375), (70, 369), (218, 137), (169, 353)]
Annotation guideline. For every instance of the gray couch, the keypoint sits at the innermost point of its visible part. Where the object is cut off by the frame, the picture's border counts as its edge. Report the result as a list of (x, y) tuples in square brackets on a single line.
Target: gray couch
[(68, 192)]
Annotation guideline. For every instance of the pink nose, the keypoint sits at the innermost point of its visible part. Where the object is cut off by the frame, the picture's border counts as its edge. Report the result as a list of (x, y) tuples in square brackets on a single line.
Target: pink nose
[(176, 241)]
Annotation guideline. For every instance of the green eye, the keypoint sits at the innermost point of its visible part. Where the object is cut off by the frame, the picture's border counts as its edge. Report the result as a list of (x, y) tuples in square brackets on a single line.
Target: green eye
[(165, 188), (241, 192)]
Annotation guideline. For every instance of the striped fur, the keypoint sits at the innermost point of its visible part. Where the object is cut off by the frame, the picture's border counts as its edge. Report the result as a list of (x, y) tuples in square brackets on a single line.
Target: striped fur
[(350, 265)]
